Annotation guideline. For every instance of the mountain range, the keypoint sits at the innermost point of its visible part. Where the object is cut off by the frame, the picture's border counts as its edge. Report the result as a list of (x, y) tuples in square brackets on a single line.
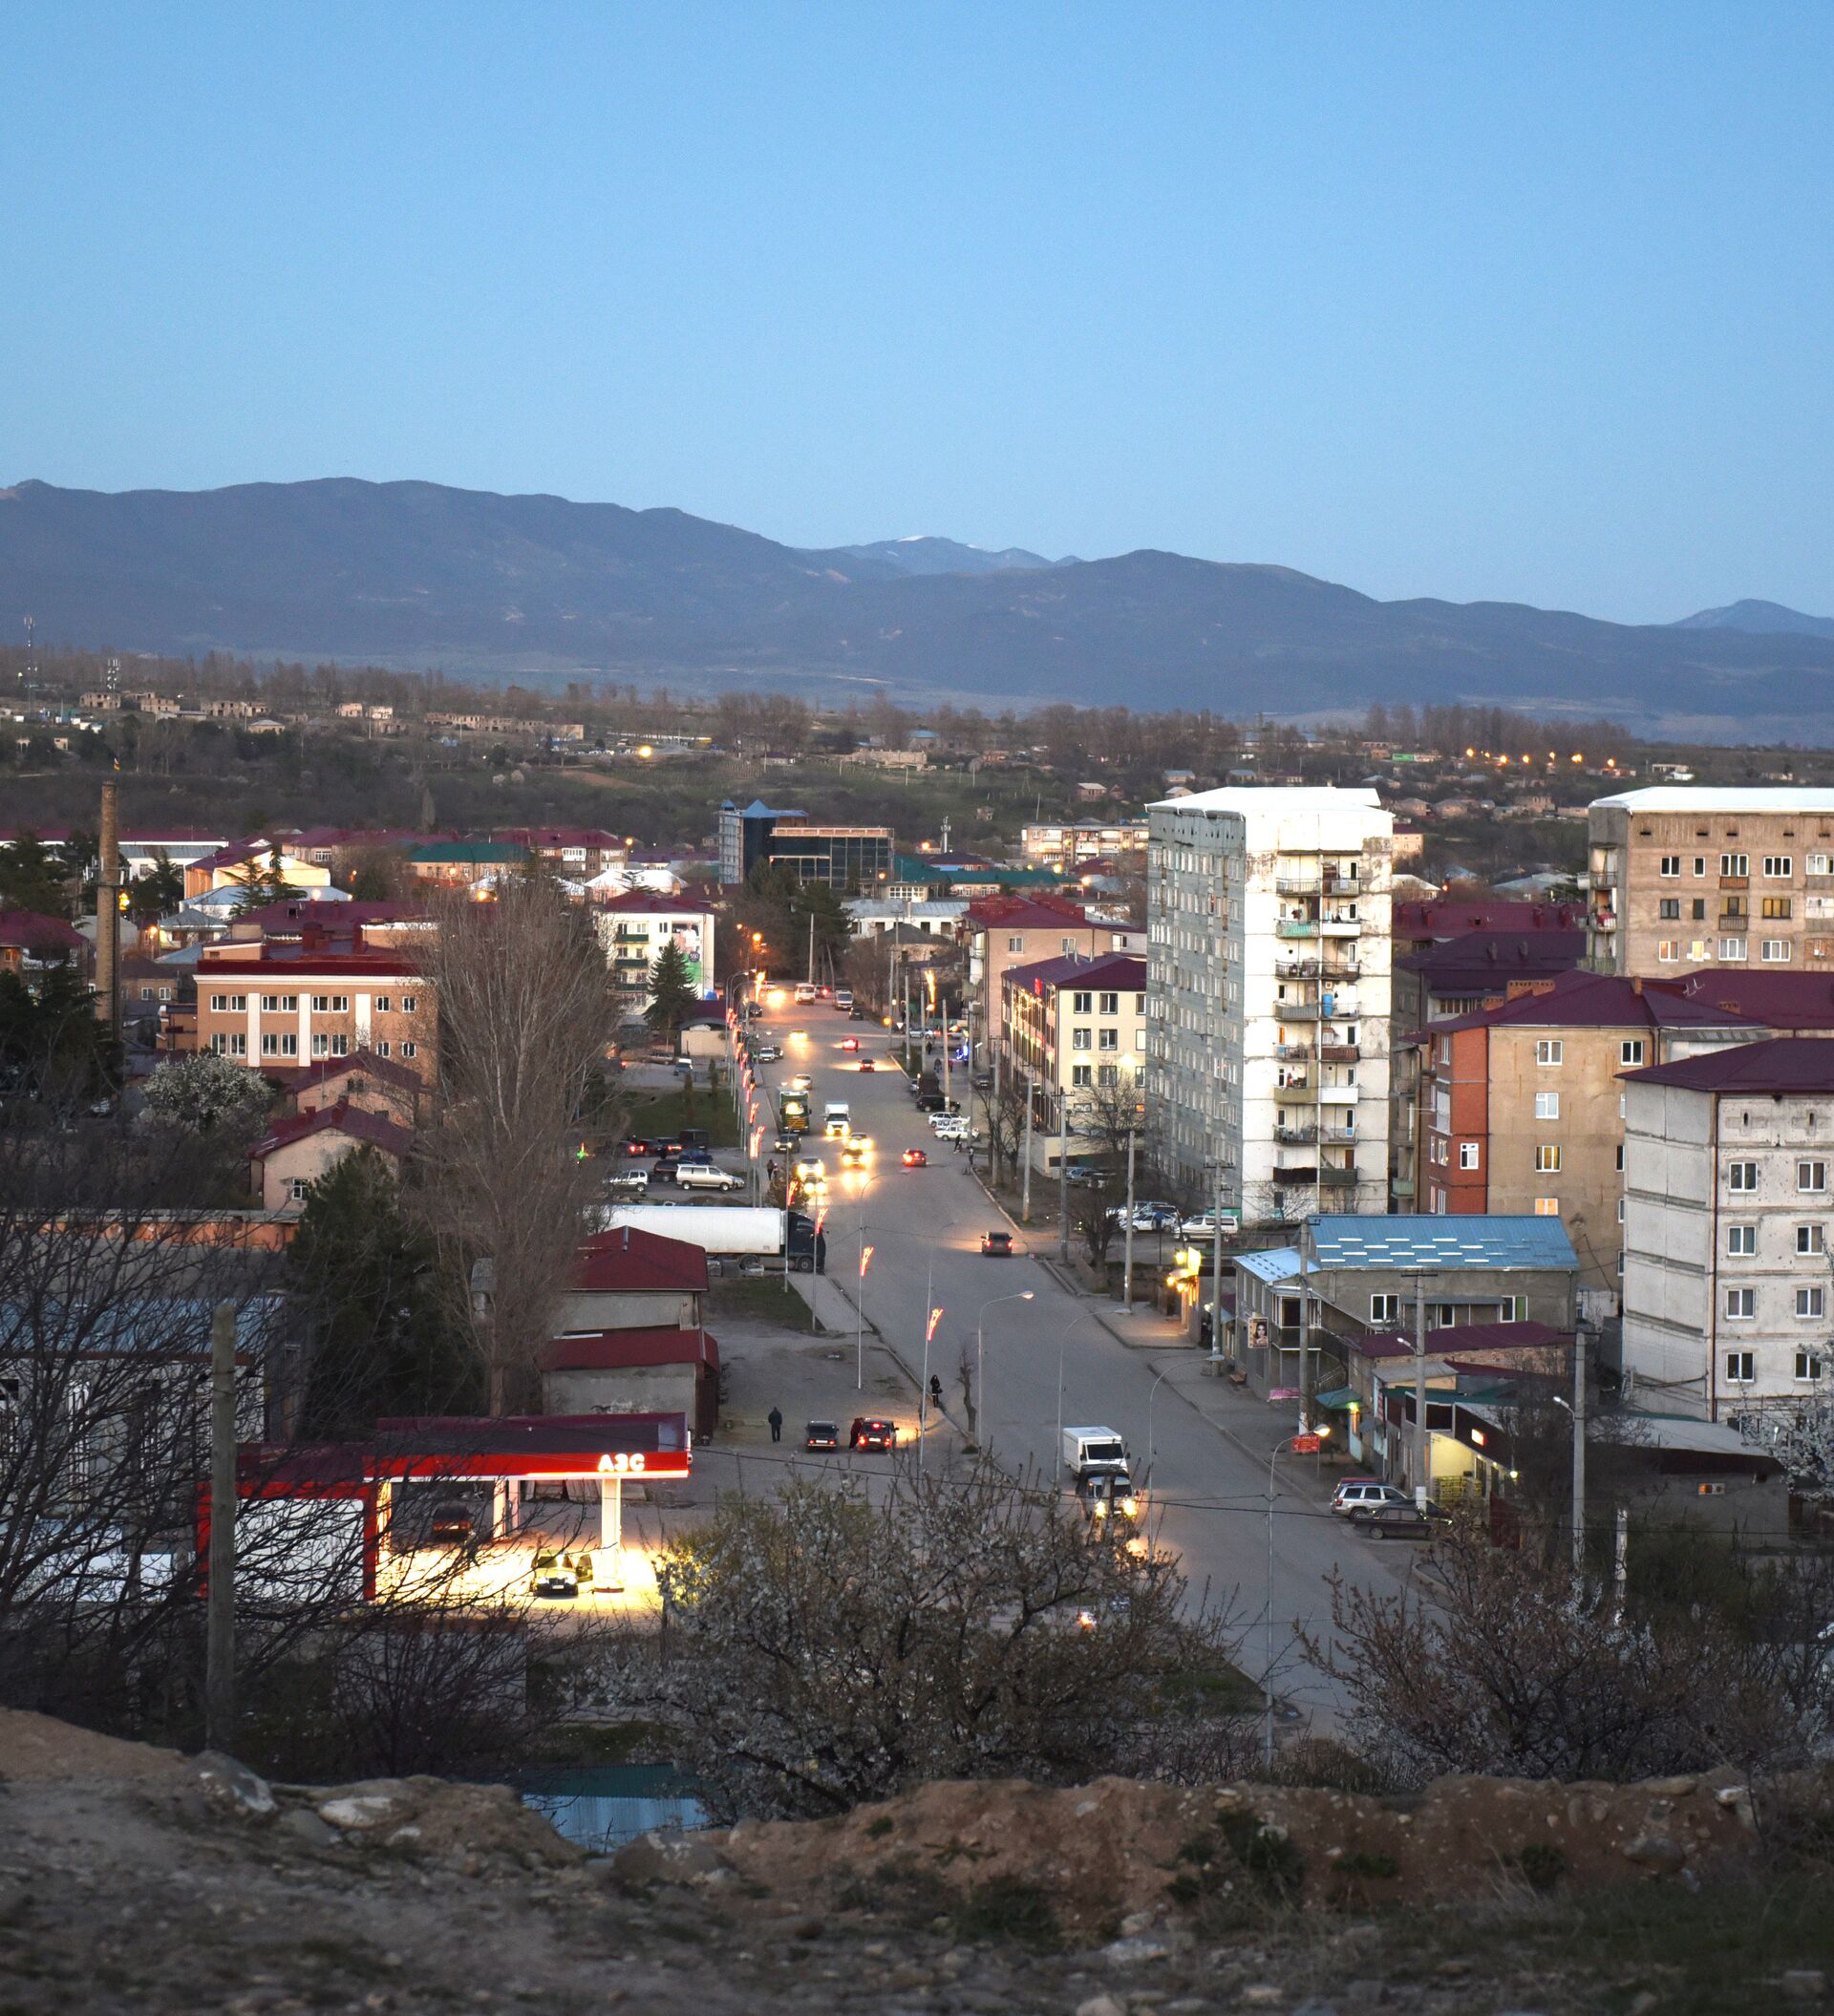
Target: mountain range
[(418, 575)]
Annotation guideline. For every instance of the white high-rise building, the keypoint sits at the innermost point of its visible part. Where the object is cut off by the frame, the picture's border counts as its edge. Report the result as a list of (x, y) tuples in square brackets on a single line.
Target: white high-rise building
[(1268, 993)]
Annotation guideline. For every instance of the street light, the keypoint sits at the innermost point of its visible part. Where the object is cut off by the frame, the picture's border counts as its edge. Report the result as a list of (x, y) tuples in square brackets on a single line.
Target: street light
[(980, 1345), (1151, 1396)]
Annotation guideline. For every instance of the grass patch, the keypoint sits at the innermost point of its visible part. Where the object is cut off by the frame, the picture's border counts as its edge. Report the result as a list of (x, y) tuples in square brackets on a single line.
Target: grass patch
[(668, 1112), (593, 1743), (1006, 1909), (765, 1301), (1543, 1865)]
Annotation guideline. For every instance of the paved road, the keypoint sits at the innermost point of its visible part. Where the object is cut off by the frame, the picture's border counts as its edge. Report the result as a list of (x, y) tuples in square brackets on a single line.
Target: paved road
[(1210, 1494)]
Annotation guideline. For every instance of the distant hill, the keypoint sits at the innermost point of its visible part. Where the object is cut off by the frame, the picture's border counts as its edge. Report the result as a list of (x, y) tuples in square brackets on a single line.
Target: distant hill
[(1760, 619), (418, 575), (923, 554)]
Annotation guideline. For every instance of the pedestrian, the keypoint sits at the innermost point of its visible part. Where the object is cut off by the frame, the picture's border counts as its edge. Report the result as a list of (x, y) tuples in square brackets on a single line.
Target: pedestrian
[(776, 1418)]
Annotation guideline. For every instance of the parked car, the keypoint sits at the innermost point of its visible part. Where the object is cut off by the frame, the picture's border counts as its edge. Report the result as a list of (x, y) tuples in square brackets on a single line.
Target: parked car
[(665, 1169), (981, 1081), (451, 1525), (1366, 1494), (915, 1158), (705, 1175), (822, 1434), (997, 1245), (627, 1182), (872, 1432), (1202, 1226), (553, 1577), (1394, 1523), (637, 1144), (1081, 1177)]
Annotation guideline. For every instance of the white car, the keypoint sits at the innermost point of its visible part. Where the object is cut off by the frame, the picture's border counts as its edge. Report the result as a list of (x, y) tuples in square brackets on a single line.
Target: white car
[(703, 1176), (1202, 1226), (948, 1127), (1365, 1495)]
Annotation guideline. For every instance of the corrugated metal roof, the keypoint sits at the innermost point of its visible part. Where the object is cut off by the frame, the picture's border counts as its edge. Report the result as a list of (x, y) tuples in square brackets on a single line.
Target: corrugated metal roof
[(1440, 1242), (1274, 1263)]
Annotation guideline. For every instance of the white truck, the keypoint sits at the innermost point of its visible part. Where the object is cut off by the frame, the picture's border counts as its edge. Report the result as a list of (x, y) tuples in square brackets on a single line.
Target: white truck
[(726, 1230), (1087, 1451), (837, 1119)]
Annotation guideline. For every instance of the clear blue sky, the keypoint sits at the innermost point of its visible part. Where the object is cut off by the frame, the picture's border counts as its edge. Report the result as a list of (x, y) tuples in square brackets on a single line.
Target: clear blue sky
[(1481, 301)]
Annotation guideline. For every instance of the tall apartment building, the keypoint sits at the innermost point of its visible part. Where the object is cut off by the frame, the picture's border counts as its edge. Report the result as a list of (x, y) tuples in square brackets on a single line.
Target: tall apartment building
[(1726, 1278), (291, 1004), (1268, 961), (1689, 878), (634, 927)]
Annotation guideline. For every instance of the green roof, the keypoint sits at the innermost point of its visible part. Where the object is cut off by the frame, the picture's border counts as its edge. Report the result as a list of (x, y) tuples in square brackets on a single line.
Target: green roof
[(468, 851)]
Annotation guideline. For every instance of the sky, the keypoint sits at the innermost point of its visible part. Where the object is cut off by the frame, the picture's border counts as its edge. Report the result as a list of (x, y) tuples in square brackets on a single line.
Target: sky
[(1529, 302)]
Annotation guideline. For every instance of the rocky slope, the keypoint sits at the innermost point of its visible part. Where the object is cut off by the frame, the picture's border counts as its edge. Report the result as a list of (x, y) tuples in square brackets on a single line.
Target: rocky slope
[(132, 1878)]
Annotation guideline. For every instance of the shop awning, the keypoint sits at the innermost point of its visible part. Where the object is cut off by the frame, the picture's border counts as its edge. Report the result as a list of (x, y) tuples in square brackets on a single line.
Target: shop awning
[(1339, 1396)]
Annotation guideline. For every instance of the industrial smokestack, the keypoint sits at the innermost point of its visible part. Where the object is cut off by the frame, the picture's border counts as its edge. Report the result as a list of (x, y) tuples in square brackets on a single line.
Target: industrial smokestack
[(108, 917)]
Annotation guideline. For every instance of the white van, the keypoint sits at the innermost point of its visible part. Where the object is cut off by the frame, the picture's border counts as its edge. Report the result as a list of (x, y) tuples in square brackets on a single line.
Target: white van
[(704, 1176), (806, 990)]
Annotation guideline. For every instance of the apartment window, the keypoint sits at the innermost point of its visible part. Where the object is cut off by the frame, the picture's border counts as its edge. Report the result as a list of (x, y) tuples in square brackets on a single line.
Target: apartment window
[(297, 1188), (1620, 1158), (1080, 1004), (1108, 1039), (1547, 1207), (1079, 1039), (384, 1049), (410, 1049), (1811, 1175), (1698, 909), (1066, 946), (1778, 865), (218, 1004), (1015, 944), (340, 1046), (1467, 1155), (321, 1046), (1821, 865), (1548, 1157), (1741, 1176), (1741, 1368), (1741, 1240), (1668, 950), (1810, 1240), (1735, 865), (1776, 952), (1384, 1309), (384, 1004), (1549, 1050), (1441, 1315), (235, 1045), (1670, 864), (1631, 1052), (1742, 1305), (1776, 909), (1669, 909), (1547, 1106), (1808, 1365), (1809, 1305), (275, 1046), (410, 1003), (278, 1004), (1732, 948), (1699, 864), (1109, 1005)]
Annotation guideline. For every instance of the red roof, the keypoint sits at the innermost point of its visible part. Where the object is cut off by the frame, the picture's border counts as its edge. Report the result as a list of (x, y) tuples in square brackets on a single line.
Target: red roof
[(1480, 961), (1025, 913), (625, 1350), (1451, 917), (298, 960), (295, 1077), (344, 917), (648, 902), (33, 932), (1779, 1001), (1785, 1064), (351, 1120), (590, 837), (629, 1260), (1118, 972), (1578, 1000)]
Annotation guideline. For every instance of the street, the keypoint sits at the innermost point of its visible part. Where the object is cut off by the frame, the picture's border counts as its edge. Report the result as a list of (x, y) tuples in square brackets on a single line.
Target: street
[(1208, 1488)]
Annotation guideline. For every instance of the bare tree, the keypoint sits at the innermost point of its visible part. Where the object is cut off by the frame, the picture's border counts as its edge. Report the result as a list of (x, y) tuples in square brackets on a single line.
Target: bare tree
[(524, 1020)]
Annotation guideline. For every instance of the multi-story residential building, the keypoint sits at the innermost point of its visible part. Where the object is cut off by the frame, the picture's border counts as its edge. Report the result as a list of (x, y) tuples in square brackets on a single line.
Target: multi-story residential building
[(459, 863), (1000, 932), (1073, 1030), (634, 927), (874, 917), (1690, 878), (290, 1003), (1064, 847), (848, 858), (1268, 960), (249, 861), (577, 852), (1727, 1284)]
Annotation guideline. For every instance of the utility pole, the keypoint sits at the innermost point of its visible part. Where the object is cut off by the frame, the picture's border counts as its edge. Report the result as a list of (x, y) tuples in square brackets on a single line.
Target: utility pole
[(1579, 1454), (1621, 1564), (1421, 1481), (1267, 1670), (1063, 1176), (1127, 1251), (1025, 1172), (108, 916), (811, 945), (1216, 1269), (219, 1627)]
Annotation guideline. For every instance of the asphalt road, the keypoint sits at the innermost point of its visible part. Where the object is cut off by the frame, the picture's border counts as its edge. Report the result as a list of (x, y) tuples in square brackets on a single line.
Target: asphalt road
[(1209, 1495)]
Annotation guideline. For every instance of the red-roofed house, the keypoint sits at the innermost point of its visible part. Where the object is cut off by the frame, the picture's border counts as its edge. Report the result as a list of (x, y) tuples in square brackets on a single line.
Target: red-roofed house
[(629, 1279), (294, 1152), (634, 1371), (1075, 1030), (362, 1080), (1005, 931), (29, 940)]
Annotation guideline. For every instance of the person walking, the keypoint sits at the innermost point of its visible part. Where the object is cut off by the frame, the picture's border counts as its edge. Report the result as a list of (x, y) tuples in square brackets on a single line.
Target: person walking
[(776, 1418)]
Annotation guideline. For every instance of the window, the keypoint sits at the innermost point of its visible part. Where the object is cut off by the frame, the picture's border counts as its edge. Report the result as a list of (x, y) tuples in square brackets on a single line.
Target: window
[(410, 1049), (340, 1046), (1776, 952), (1547, 1207), (1778, 864), (1699, 864), (1732, 948), (218, 1004), (1741, 1240), (1741, 1368), (410, 1003), (1810, 1240), (1082, 1074), (1670, 864), (1776, 909), (1547, 1156), (384, 1004), (1467, 1155), (1441, 1315), (1668, 950), (1547, 1106), (1698, 909), (384, 1047), (1742, 1305), (1079, 1039), (1821, 865), (1015, 944), (231, 1046), (1809, 1303), (1811, 1175), (1109, 1005), (1669, 909), (1631, 1052), (1735, 865), (1620, 1158), (1080, 1004), (1108, 1039), (1808, 1365), (321, 1046), (296, 1189), (1549, 1050), (1620, 1211), (1741, 1176)]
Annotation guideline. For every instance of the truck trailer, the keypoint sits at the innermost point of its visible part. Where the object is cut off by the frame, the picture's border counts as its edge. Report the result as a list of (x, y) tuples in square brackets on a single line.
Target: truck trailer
[(729, 1230)]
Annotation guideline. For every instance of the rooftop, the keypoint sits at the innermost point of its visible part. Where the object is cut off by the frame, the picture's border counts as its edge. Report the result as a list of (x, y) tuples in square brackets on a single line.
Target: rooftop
[(1274, 1263), (629, 1260), (1437, 1243), (1025, 913), (1689, 797), (1276, 800), (1118, 973), (360, 1063), (1785, 1064), (371, 1128), (1581, 1000), (1453, 917), (34, 932), (1483, 959)]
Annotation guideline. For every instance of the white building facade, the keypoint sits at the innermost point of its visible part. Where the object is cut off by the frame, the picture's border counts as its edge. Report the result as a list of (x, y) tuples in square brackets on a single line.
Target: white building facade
[(1267, 989)]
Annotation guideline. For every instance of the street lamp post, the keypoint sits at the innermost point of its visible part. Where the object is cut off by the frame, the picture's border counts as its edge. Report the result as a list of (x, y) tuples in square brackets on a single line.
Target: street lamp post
[(1151, 1396), (980, 1345)]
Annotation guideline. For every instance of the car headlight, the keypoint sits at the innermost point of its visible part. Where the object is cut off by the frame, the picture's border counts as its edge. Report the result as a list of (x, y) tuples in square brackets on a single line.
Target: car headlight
[(1128, 1506), (1101, 1508)]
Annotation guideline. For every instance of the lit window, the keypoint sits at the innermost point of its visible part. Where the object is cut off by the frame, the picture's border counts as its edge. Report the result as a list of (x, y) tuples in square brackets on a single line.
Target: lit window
[(1547, 1156), (1668, 950), (1547, 1207), (1775, 909)]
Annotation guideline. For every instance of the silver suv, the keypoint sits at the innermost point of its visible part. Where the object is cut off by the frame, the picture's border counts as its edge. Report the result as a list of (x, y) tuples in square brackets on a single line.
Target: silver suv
[(1365, 1495)]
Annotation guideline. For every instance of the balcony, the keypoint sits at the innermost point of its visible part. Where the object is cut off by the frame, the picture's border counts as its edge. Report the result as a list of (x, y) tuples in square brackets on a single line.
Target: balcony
[(1299, 885), (1344, 969), (1288, 1136), (1735, 881), (1294, 1088), (1307, 1174), (1296, 927), (1604, 920), (1295, 970), (1341, 927), (1342, 1136), (1337, 1095), (1292, 1051), (1297, 1012), (1339, 1052), (1402, 1187), (1334, 1177)]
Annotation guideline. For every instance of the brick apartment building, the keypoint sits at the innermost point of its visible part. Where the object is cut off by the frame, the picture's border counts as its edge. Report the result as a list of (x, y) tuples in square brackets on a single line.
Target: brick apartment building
[(295, 1002)]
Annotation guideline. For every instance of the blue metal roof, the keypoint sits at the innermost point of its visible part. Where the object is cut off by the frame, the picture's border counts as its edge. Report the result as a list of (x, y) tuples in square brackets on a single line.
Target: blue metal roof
[(1275, 1263), (1440, 1242)]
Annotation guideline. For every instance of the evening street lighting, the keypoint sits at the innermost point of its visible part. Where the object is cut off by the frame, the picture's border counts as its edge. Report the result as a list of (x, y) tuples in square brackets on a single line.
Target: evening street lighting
[(980, 1344)]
